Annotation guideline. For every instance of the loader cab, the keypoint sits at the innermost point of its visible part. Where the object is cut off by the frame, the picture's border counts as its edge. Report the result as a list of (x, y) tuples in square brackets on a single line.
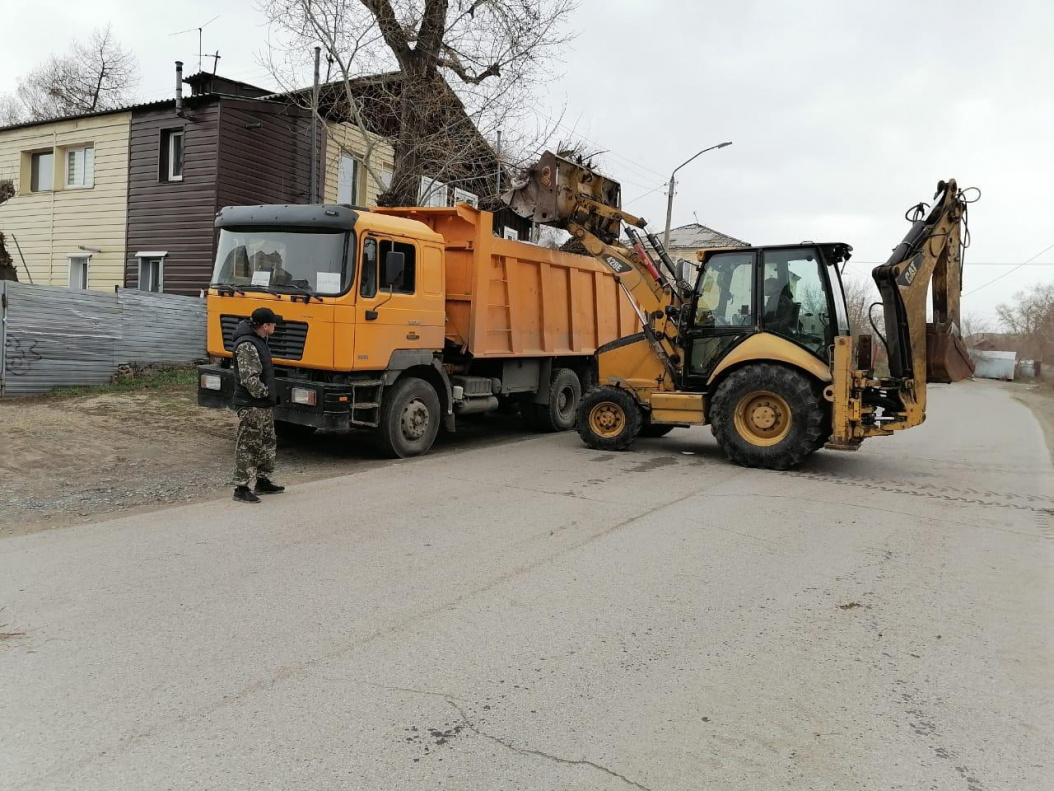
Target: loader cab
[(793, 292)]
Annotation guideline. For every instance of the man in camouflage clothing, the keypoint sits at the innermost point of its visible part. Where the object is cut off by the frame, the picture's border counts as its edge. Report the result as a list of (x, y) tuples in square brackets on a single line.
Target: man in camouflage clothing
[(254, 398)]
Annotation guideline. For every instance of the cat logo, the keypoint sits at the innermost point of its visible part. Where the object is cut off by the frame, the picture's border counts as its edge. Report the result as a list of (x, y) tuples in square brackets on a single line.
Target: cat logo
[(908, 275)]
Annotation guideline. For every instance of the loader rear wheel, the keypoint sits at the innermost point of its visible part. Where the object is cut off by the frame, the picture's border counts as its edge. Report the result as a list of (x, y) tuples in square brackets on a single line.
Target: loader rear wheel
[(768, 416), (609, 418)]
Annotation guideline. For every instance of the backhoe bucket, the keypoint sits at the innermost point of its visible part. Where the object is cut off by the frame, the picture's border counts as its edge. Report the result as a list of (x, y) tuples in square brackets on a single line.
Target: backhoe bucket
[(947, 359), (554, 186)]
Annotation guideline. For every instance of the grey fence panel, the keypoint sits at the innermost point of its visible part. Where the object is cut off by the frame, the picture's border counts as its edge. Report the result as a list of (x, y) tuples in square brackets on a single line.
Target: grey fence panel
[(160, 328), (57, 337)]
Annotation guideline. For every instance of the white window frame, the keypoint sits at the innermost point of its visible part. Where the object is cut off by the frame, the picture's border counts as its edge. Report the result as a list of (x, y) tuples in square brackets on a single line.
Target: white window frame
[(146, 257), (510, 233), (464, 196), (386, 174), (78, 259), (87, 172), (172, 135), (433, 192), (349, 187)]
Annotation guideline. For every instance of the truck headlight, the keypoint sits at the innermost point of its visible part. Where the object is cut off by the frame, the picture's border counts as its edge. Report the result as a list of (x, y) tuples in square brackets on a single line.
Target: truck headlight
[(211, 382), (301, 395)]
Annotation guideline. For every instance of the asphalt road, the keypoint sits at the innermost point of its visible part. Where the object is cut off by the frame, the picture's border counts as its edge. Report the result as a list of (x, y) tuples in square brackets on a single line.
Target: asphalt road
[(537, 615)]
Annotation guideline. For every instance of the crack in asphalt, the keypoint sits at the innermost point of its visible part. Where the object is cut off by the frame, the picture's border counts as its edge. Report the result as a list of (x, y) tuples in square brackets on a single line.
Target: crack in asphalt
[(539, 753)]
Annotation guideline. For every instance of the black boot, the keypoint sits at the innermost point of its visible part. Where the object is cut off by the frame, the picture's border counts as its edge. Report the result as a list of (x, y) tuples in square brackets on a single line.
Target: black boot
[(264, 486), (244, 495)]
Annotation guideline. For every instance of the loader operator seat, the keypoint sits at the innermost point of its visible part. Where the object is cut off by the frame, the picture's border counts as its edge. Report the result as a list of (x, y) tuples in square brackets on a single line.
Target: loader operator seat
[(781, 311)]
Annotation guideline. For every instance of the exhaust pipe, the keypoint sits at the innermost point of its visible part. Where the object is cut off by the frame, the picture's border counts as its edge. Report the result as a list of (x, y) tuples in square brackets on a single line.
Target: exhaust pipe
[(179, 88)]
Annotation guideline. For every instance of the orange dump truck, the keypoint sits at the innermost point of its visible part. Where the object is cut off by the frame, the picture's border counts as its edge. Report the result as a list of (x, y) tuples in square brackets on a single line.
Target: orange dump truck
[(401, 320)]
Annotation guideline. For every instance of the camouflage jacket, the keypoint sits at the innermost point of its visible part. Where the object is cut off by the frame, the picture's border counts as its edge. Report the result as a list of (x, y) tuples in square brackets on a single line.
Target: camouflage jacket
[(249, 370)]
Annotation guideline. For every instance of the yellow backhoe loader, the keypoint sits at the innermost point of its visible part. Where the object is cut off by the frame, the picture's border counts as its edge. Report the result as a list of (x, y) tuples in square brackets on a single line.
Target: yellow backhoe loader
[(759, 346)]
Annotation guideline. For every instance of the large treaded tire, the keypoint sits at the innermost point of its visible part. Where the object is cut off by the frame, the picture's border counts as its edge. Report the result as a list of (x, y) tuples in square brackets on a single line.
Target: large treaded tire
[(803, 399), (413, 402), (618, 405), (565, 392)]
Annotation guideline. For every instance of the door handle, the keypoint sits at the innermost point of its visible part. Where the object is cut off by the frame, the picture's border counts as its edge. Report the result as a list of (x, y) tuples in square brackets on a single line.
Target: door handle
[(412, 336)]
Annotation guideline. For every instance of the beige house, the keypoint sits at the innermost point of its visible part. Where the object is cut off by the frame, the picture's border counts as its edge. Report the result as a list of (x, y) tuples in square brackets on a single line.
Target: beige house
[(68, 215), (347, 179)]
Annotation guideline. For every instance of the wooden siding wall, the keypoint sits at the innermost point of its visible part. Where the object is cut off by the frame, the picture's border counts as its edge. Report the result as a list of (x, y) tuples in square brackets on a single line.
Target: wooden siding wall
[(265, 154), (349, 138), (51, 225), (176, 216)]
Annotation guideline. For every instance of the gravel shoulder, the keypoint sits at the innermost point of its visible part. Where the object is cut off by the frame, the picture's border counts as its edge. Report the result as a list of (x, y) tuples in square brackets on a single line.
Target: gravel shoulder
[(1039, 397), (88, 457)]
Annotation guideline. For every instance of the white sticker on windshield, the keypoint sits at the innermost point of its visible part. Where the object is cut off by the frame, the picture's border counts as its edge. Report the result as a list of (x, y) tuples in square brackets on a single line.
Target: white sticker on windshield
[(262, 278), (327, 282)]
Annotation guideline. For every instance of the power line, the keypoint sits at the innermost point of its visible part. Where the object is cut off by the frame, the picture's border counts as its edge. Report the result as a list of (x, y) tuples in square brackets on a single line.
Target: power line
[(1024, 263)]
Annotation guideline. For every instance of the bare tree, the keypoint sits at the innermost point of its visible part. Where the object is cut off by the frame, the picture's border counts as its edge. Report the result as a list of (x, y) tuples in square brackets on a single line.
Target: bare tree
[(972, 326), (7, 264), (1030, 319), (439, 78), (97, 74), (860, 295)]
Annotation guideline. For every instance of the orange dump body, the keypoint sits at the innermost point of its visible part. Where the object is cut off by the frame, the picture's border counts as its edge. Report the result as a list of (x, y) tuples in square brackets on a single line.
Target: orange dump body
[(507, 298)]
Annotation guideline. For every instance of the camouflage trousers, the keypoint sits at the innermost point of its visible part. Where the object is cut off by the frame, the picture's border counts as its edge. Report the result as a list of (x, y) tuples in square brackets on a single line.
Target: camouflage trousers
[(256, 447)]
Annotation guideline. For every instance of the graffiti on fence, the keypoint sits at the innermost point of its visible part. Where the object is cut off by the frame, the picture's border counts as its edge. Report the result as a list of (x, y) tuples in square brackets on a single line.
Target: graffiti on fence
[(20, 355)]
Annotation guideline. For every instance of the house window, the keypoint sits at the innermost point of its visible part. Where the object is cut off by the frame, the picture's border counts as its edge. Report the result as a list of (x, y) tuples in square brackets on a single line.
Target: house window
[(433, 192), (151, 271), (386, 175), (80, 167), (171, 164), (348, 178), (510, 233), (464, 196), (78, 271), (42, 172)]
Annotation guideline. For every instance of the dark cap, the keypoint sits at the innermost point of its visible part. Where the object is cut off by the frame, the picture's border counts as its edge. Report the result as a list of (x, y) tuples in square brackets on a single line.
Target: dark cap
[(264, 316)]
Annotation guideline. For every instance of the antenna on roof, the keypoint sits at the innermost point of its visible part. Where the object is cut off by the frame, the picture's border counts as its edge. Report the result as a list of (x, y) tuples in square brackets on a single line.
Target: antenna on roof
[(215, 61), (696, 218), (199, 29)]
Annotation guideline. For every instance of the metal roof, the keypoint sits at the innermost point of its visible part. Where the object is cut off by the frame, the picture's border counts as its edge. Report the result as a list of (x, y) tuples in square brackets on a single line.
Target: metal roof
[(125, 109), (695, 236)]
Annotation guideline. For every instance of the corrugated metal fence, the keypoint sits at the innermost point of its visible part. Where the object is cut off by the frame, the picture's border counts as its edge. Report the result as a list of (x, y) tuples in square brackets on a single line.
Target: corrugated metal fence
[(58, 337)]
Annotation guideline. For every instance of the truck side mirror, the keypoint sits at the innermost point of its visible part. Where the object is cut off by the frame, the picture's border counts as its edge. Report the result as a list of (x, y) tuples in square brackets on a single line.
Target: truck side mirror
[(394, 266)]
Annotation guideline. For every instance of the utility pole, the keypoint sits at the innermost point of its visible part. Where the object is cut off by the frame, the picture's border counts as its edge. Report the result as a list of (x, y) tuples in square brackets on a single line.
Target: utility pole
[(672, 187), (497, 174), (314, 197)]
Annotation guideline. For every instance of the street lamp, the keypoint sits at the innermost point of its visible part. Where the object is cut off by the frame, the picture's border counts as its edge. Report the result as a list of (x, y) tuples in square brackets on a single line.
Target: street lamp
[(673, 183)]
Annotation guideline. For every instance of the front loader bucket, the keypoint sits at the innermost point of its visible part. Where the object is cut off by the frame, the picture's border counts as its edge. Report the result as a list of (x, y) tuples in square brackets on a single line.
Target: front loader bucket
[(554, 186), (947, 359)]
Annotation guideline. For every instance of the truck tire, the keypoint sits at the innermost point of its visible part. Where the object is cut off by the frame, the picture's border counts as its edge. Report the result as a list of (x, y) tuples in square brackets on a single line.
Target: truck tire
[(768, 416), (565, 391), (409, 419), (292, 432), (609, 418)]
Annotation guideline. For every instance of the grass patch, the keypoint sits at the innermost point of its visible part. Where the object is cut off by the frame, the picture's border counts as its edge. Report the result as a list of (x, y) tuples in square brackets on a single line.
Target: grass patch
[(176, 376)]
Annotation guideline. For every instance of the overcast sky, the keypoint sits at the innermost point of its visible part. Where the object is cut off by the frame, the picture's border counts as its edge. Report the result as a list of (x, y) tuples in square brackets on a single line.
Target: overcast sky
[(842, 113)]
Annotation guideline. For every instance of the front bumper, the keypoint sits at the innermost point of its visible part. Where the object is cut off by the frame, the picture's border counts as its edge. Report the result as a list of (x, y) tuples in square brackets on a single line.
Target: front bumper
[(335, 405)]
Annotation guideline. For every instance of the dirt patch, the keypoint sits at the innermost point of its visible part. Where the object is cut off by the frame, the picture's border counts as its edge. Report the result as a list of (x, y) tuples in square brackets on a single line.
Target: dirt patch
[(87, 456), (1039, 397)]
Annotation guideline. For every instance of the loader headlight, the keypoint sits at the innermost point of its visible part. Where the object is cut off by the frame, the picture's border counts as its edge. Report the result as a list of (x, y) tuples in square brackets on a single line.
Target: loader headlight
[(211, 382), (301, 395)]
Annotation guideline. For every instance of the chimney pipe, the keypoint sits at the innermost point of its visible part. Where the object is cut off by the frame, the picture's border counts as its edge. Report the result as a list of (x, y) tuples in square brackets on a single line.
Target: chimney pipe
[(179, 88)]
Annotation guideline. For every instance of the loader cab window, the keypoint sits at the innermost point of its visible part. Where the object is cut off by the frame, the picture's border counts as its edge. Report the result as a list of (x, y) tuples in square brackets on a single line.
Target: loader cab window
[(725, 291), (373, 254), (794, 298)]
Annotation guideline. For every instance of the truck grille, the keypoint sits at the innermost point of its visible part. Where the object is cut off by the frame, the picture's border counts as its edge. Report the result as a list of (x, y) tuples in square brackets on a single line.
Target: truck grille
[(287, 342)]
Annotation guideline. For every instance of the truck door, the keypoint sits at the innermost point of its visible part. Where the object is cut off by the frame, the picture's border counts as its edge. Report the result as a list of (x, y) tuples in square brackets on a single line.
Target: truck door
[(393, 315), (723, 312)]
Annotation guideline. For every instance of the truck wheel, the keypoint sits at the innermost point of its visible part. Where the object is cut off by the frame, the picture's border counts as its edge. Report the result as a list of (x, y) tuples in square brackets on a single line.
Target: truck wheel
[(565, 391), (609, 418), (768, 416), (292, 432), (410, 417)]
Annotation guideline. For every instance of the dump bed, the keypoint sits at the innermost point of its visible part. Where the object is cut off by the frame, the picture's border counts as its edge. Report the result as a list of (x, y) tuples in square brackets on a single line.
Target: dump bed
[(512, 299)]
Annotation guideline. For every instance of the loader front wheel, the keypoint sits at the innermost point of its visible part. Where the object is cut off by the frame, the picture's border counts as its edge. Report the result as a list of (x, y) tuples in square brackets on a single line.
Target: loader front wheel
[(609, 418), (768, 416)]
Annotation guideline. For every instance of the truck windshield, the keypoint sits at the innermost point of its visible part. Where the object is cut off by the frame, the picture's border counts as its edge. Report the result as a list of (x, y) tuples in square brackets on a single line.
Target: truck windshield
[(284, 260)]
